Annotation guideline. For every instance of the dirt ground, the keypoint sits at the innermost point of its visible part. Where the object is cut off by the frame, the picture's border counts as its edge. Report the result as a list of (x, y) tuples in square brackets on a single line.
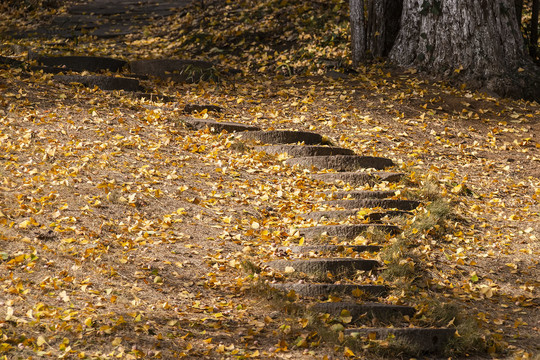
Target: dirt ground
[(123, 233)]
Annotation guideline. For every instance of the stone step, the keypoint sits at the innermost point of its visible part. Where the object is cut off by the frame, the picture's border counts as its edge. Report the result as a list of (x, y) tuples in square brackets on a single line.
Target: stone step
[(218, 127), (304, 150), (304, 249), (9, 61), (336, 266), (344, 231), (359, 178), (399, 204), (191, 108), (362, 194), (83, 63), (426, 340), (364, 311), (341, 162), (284, 137), (342, 214), (316, 290), (101, 81), (177, 70)]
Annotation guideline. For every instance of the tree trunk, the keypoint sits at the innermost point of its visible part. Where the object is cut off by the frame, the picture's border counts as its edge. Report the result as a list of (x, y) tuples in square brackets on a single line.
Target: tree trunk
[(476, 41), (358, 32), (533, 43), (519, 10), (382, 26)]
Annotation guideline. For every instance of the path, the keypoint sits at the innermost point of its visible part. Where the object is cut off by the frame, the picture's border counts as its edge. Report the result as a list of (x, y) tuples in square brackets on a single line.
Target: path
[(106, 19)]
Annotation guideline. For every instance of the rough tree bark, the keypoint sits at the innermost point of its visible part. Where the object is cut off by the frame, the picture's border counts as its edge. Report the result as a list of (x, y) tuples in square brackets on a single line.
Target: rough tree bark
[(358, 32), (473, 41), (383, 21), (533, 40)]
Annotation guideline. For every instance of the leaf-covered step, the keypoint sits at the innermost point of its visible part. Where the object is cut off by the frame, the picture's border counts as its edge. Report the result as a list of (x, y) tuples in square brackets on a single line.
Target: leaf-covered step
[(344, 231), (399, 204), (191, 108), (342, 214), (218, 127), (427, 340), (177, 70), (305, 150), (335, 266), (362, 194), (359, 178), (383, 312), (304, 249), (284, 137), (316, 290), (101, 81), (4, 60), (83, 63), (342, 162)]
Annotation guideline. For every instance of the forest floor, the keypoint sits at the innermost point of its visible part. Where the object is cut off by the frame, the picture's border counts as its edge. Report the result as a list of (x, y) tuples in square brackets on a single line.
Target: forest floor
[(124, 234)]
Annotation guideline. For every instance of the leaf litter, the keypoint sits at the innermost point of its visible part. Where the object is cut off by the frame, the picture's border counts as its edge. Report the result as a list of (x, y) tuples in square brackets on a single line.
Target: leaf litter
[(123, 234)]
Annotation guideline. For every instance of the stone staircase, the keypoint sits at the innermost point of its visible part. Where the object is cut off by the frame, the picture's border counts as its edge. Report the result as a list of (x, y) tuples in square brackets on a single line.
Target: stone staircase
[(335, 272), (116, 74)]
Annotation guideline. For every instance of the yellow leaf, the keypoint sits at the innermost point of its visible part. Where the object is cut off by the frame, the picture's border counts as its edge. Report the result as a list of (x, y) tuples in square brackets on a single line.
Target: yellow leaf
[(289, 269), (291, 295), (25, 224), (40, 341), (88, 322), (334, 298), (486, 290), (117, 341), (345, 316), (64, 297), (9, 313), (348, 352)]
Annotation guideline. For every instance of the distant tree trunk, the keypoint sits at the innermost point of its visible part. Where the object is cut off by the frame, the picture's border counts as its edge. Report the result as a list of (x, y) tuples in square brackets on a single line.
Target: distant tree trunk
[(382, 26), (475, 41), (519, 10), (358, 32), (533, 42)]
